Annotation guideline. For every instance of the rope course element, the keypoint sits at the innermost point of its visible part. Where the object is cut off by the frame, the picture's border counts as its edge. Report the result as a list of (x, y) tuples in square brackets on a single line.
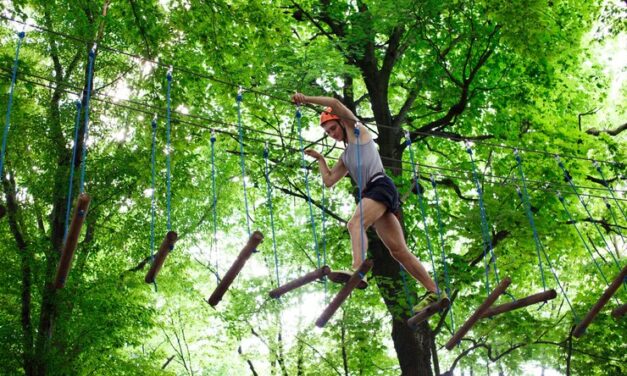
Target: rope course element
[(306, 174), (440, 303), (606, 183), (485, 230), (541, 185), (193, 73), (254, 239), (152, 190), (7, 122), (358, 276), (543, 296), (214, 205), (241, 154), (68, 205), (570, 182), (444, 261), (270, 209), (167, 245), (524, 196), (322, 271), (580, 329), (585, 244), (82, 204)]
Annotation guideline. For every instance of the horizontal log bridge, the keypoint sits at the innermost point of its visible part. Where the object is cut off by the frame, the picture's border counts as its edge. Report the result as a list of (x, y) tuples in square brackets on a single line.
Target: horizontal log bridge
[(167, 245), (307, 278), (619, 311), (581, 328), (344, 293), (520, 303), (71, 240), (461, 332), (255, 239), (429, 311)]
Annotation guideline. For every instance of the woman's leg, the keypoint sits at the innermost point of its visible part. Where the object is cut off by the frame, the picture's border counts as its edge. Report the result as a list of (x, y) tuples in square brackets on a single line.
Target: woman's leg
[(372, 211), (391, 233)]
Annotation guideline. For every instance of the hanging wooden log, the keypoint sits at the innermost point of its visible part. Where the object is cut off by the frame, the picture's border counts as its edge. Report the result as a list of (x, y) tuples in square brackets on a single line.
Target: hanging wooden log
[(342, 276), (71, 240), (520, 303), (609, 292), (344, 293), (461, 332), (427, 312), (167, 245), (255, 239), (619, 311), (307, 278)]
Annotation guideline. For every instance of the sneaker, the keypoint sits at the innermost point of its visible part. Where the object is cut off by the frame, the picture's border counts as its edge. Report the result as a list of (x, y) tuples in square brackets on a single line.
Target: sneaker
[(428, 299), (342, 276)]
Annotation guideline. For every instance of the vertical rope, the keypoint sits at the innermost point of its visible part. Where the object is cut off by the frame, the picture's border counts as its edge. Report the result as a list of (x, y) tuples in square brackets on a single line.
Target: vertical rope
[(7, 121), (570, 218), (214, 204), (359, 188), (241, 154), (153, 206), (444, 262), (572, 186), (324, 232), (269, 193), (168, 149), (422, 210), (487, 241), (524, 196), (90, 71), (68, 205), (306, 172)]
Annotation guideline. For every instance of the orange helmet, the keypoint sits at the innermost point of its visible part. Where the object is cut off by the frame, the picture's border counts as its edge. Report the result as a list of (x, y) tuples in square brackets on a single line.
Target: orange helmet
[(326, 115)]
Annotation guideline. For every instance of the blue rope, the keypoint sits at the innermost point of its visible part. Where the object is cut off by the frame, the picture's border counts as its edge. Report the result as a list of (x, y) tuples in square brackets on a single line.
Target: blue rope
[(607, 185), (214, 204), (169, 150), (524, 196), (444, 262), (359, 187), (7, 122), (152, 192), (408, 296), (269, 192), (306, 171), (90, 71), (570, 182), (487, 241), (241, 152), (422, 210), (72, 167), (559, 196), (324, 233)]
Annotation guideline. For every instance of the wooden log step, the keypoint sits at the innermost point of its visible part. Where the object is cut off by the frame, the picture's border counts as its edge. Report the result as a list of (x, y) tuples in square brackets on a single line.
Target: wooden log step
[(255, 239)]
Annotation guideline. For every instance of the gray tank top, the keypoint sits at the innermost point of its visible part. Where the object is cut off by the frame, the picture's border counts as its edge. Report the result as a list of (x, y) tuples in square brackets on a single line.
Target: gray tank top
[(369, 158)]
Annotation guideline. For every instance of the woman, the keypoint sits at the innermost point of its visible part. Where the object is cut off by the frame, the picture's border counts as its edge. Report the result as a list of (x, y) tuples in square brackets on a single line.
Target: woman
[(380, 199)]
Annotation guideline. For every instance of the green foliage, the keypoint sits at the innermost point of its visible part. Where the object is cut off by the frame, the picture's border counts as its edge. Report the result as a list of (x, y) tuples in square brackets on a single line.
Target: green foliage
[(528, 73)]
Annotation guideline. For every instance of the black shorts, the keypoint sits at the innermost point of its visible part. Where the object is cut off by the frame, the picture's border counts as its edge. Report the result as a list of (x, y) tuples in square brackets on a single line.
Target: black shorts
[(383, 190)]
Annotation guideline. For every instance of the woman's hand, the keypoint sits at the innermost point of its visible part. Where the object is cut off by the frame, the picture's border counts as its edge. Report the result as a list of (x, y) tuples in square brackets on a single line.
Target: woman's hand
[(299, 98), (314, 154)]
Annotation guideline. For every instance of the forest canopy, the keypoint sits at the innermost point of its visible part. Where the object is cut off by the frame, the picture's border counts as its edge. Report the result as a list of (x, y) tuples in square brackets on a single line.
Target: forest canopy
[(501, 123)]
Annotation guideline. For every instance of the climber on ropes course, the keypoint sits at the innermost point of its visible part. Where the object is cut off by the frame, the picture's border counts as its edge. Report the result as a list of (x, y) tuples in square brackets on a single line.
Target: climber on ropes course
[(379, 202)]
